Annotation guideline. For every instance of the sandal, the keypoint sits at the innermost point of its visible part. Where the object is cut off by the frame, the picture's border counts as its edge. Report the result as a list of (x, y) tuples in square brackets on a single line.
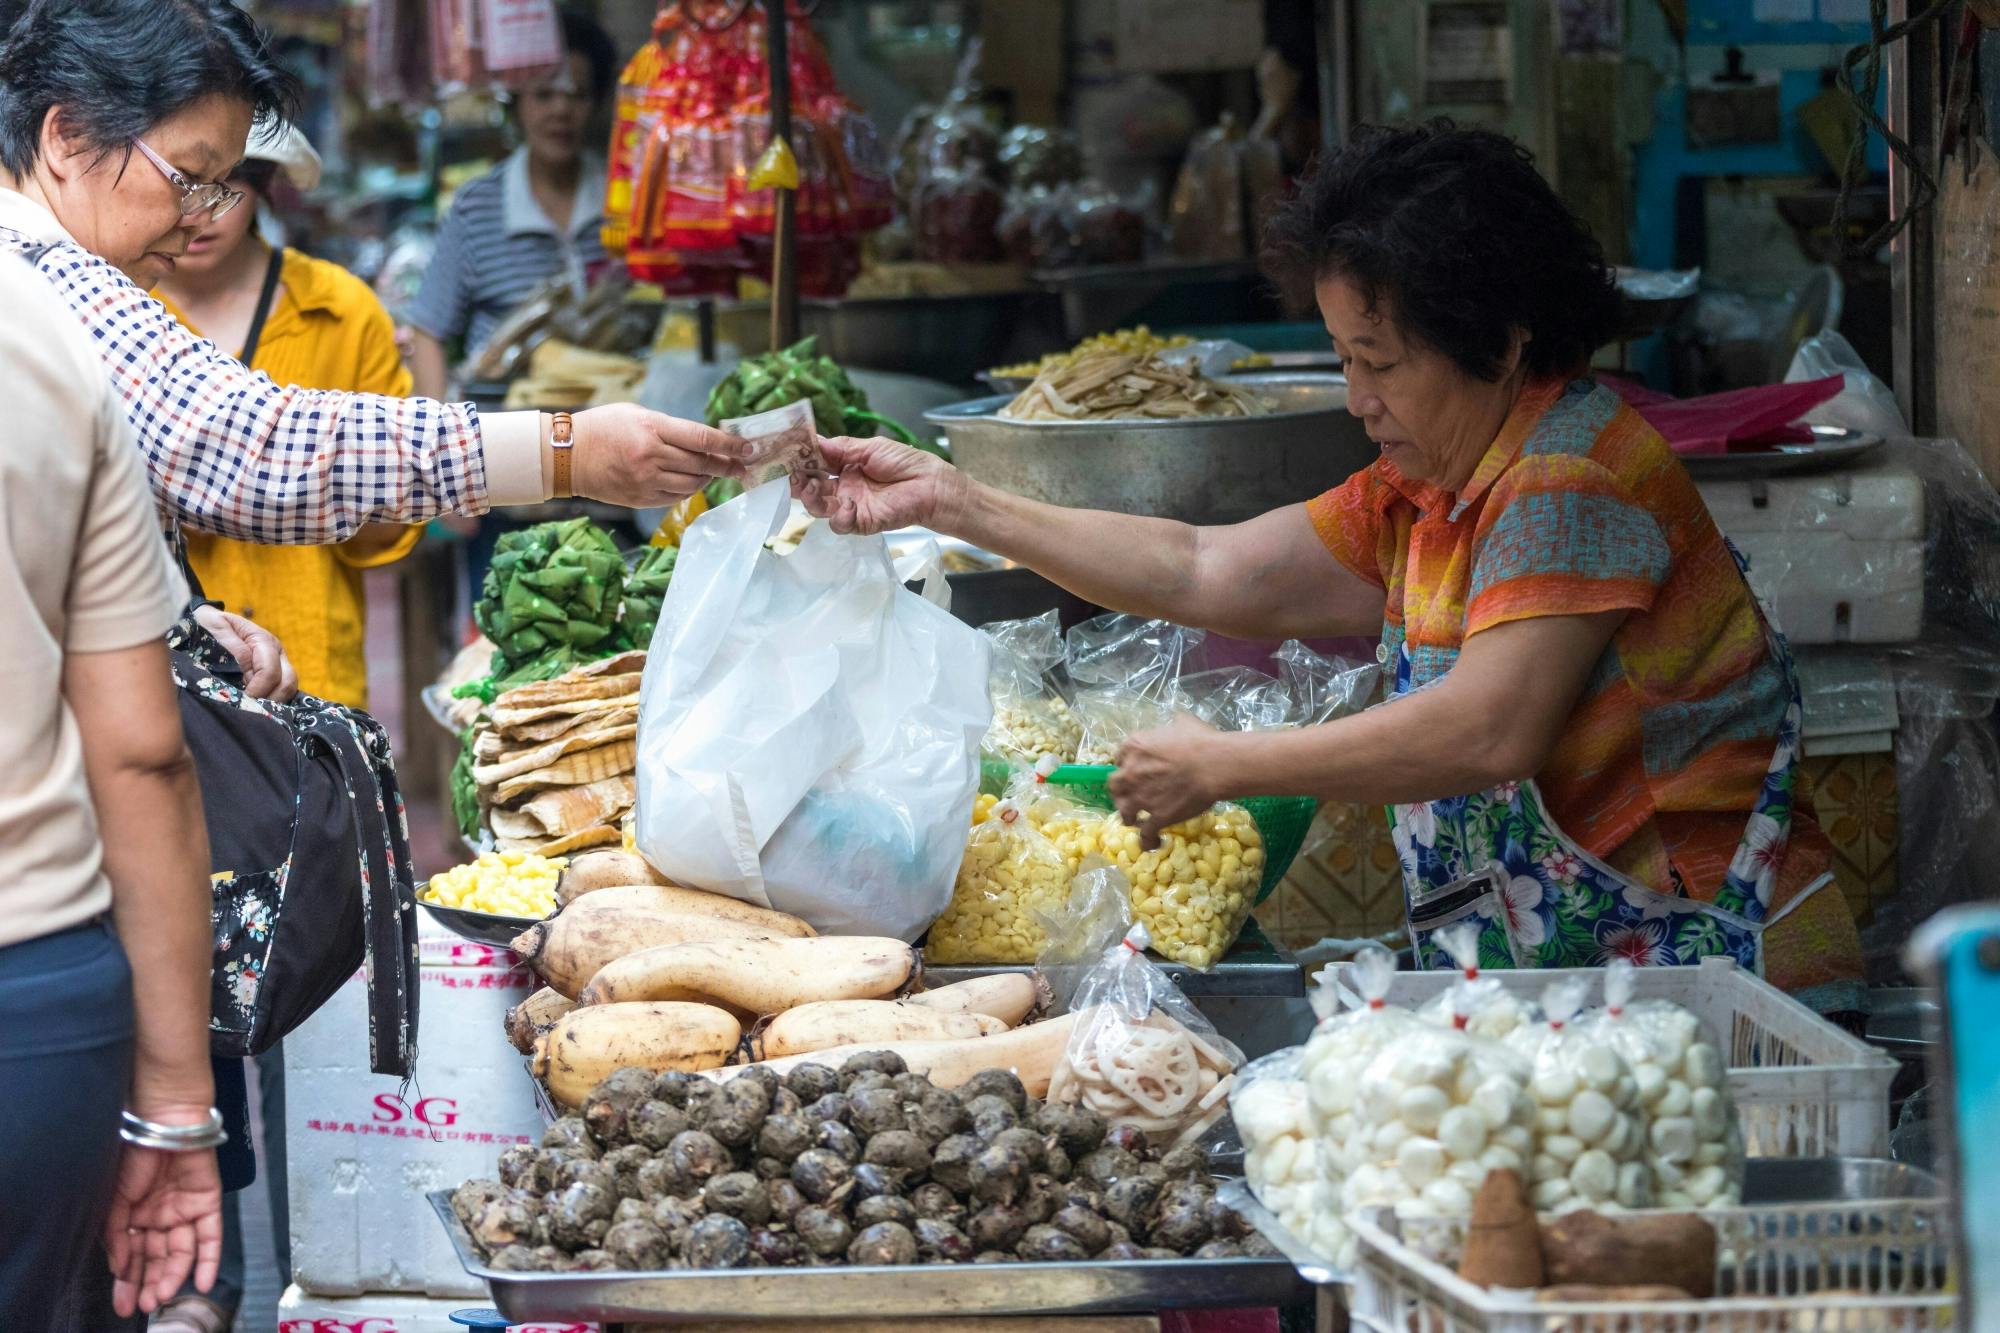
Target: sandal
[(191, 1314)]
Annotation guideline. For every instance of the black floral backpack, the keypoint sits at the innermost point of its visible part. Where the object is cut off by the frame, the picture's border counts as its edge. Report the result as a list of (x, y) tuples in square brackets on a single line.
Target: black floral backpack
[(309, 852)]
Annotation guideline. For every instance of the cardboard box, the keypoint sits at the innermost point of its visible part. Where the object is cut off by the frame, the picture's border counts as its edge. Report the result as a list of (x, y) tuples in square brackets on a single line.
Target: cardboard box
[(301, 1312), (364, 1150)]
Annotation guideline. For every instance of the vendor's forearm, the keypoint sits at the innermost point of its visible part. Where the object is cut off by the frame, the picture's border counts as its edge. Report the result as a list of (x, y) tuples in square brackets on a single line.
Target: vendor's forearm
[(1145, 566)]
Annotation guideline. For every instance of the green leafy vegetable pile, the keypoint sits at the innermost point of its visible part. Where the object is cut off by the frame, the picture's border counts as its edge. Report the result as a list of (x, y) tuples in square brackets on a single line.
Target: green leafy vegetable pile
[(550, 600), (645, 589)]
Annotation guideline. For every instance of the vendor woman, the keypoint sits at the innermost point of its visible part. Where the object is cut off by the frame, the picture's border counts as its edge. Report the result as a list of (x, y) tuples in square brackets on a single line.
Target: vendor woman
[(1591, 738)]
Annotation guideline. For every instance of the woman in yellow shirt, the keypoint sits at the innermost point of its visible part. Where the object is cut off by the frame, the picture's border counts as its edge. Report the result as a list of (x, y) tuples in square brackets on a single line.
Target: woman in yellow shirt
[(321, 328)]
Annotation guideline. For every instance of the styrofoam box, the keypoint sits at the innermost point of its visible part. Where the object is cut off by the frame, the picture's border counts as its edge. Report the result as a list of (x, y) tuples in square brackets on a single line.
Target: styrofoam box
[(302, 1312), (1802, 1087), (364, 1149)]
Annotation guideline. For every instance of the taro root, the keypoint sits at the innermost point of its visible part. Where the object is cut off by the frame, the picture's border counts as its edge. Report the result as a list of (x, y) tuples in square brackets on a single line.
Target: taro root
[(869, 1080), (1041, 1199), (937, 1115), (785, 1137), (786, 1102), (997, 1226), (811, 1082), (675, 1217), (518, 1165), (885, 1208), (778, 1249), (1160, 1252), (584, 1171), (999, 1174), (951, 1162), (637, 1244), (999, 1083), (825, 1231), (1118, 1234), (1220, 1249), (718, 1242), (1181, 1228), (1156, 1173), (698, 1157), (570, 1135), (518, 1259), (934, 1201), (733, 1115), (900, 1151), (881, 1062), (1130, 1203), (1045, 1244), (1056, 1161), (625, 1162), (876, 1111), (540, 1234), (1091, 1231), (1026, 1141), (939, 1242), (657, 1179), (590, 1261), (508, 1220), (1123, 1251), (1187, 1162), (470, 1198), (1083, 1194), (873, 1178), (573, 1212), (992, 1257), (605, 1109), (883, 1243), (1125, 1136), (632, 1210), (738, 1194), (1106, 1165), (1078, 1131), (769, 1079), (833, 1106), (654, 1123), (991, 1116), (836, 1138), (786, 1199), (912, 1086), (1195, 1194), (1225, 1222), (770, 1168), (821, 1174), (677, 1087), (1257, 1246)]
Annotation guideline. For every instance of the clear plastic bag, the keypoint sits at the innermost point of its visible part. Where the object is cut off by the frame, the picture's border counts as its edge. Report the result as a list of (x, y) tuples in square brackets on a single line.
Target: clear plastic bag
[(1694, 1144), (1011, 881), (1499, 1016), (1590, 1129), (1433, 1112), (1140, 1054), (1131, 653), (1205, 215), (1864, 403), (1107, 717), (1280, 1152), (1240, 699), (1324, 688), (1030, 719), (1096, 915)]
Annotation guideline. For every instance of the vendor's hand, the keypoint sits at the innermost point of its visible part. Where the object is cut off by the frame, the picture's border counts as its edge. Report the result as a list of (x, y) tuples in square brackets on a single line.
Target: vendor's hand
[(879, 486), (1164, 776), (627, 455), (267, 672), (165, 1220)]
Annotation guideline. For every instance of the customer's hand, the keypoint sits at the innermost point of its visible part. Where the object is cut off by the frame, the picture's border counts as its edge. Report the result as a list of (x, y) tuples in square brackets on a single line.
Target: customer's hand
[(165, 1220), (627, 455), (267, 672), (879, 486), (1164, 776)]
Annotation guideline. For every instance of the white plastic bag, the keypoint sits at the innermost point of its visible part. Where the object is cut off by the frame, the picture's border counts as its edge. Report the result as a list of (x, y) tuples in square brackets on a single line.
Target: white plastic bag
[(1590, 1128), (808, 727), (1864, 402)]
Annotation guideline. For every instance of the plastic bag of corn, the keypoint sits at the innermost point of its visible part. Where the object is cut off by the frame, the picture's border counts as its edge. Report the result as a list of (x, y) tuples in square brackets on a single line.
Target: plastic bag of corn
[(1012, 879), (1030, 720)]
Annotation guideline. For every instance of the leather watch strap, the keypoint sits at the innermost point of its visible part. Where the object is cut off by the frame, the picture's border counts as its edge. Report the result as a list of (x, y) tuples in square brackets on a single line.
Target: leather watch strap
[(562, 443)]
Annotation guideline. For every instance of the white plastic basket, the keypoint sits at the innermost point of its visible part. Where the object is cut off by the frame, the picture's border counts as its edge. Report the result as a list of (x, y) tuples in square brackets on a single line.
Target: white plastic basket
[(1802, 1087), (1881, 1266)]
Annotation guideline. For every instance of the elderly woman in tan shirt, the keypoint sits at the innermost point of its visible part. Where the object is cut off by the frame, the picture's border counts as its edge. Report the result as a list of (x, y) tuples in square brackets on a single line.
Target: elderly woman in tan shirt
[(104, 949)]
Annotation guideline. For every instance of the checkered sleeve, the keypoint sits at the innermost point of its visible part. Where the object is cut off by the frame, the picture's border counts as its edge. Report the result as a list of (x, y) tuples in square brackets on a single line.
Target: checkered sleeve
[(228, 451)]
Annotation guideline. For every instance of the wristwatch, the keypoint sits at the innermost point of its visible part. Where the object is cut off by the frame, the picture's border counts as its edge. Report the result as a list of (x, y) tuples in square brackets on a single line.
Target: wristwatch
[(561, 442)]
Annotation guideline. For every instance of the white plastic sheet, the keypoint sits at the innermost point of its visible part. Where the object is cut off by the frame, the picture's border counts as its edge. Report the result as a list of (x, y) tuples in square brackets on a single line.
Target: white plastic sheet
[(809, 727)]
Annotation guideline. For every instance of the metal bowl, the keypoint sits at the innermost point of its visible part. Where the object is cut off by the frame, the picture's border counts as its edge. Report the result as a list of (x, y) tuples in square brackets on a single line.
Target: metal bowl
[(479, 927), (1196, 469)]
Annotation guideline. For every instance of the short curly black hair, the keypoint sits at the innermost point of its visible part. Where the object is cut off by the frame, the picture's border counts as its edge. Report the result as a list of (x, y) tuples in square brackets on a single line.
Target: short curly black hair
[(1463, 236)]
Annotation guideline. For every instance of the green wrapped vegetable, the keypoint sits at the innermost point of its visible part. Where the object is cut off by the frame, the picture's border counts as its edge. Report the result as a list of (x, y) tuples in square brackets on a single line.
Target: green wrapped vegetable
[(645, 589), (464, 791), (760, 383), (550, 600)]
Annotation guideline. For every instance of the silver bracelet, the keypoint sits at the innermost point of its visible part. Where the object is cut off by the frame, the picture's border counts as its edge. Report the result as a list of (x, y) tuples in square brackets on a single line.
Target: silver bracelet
[(173, 1138)]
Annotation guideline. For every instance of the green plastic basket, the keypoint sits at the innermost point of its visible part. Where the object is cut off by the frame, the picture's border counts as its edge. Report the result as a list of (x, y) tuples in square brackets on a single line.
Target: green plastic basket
[(1283, 820)]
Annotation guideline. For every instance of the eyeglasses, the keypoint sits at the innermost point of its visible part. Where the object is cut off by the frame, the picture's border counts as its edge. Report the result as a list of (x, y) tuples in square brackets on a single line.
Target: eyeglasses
[(197, 197)]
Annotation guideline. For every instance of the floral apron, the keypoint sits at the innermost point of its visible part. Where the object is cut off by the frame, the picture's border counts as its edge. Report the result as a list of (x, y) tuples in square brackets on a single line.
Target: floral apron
[(1543, 901)]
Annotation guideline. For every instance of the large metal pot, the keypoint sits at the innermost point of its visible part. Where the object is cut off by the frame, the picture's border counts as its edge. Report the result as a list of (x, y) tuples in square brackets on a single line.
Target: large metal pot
[(1199, 470)]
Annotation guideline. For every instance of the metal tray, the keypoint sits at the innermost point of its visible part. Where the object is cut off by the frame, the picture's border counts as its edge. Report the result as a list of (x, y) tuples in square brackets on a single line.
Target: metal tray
[(479, 927), (934, 1290), (1253, 968), (1830, 447)]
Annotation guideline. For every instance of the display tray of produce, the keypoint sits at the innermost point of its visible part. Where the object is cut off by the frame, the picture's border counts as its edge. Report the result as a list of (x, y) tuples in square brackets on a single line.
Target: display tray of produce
[(480, 927), (1253, 968), (1076, 1287)]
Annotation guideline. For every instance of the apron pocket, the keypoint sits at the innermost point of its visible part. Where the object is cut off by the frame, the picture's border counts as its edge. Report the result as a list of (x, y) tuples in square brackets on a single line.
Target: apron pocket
[(1480, 896)]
